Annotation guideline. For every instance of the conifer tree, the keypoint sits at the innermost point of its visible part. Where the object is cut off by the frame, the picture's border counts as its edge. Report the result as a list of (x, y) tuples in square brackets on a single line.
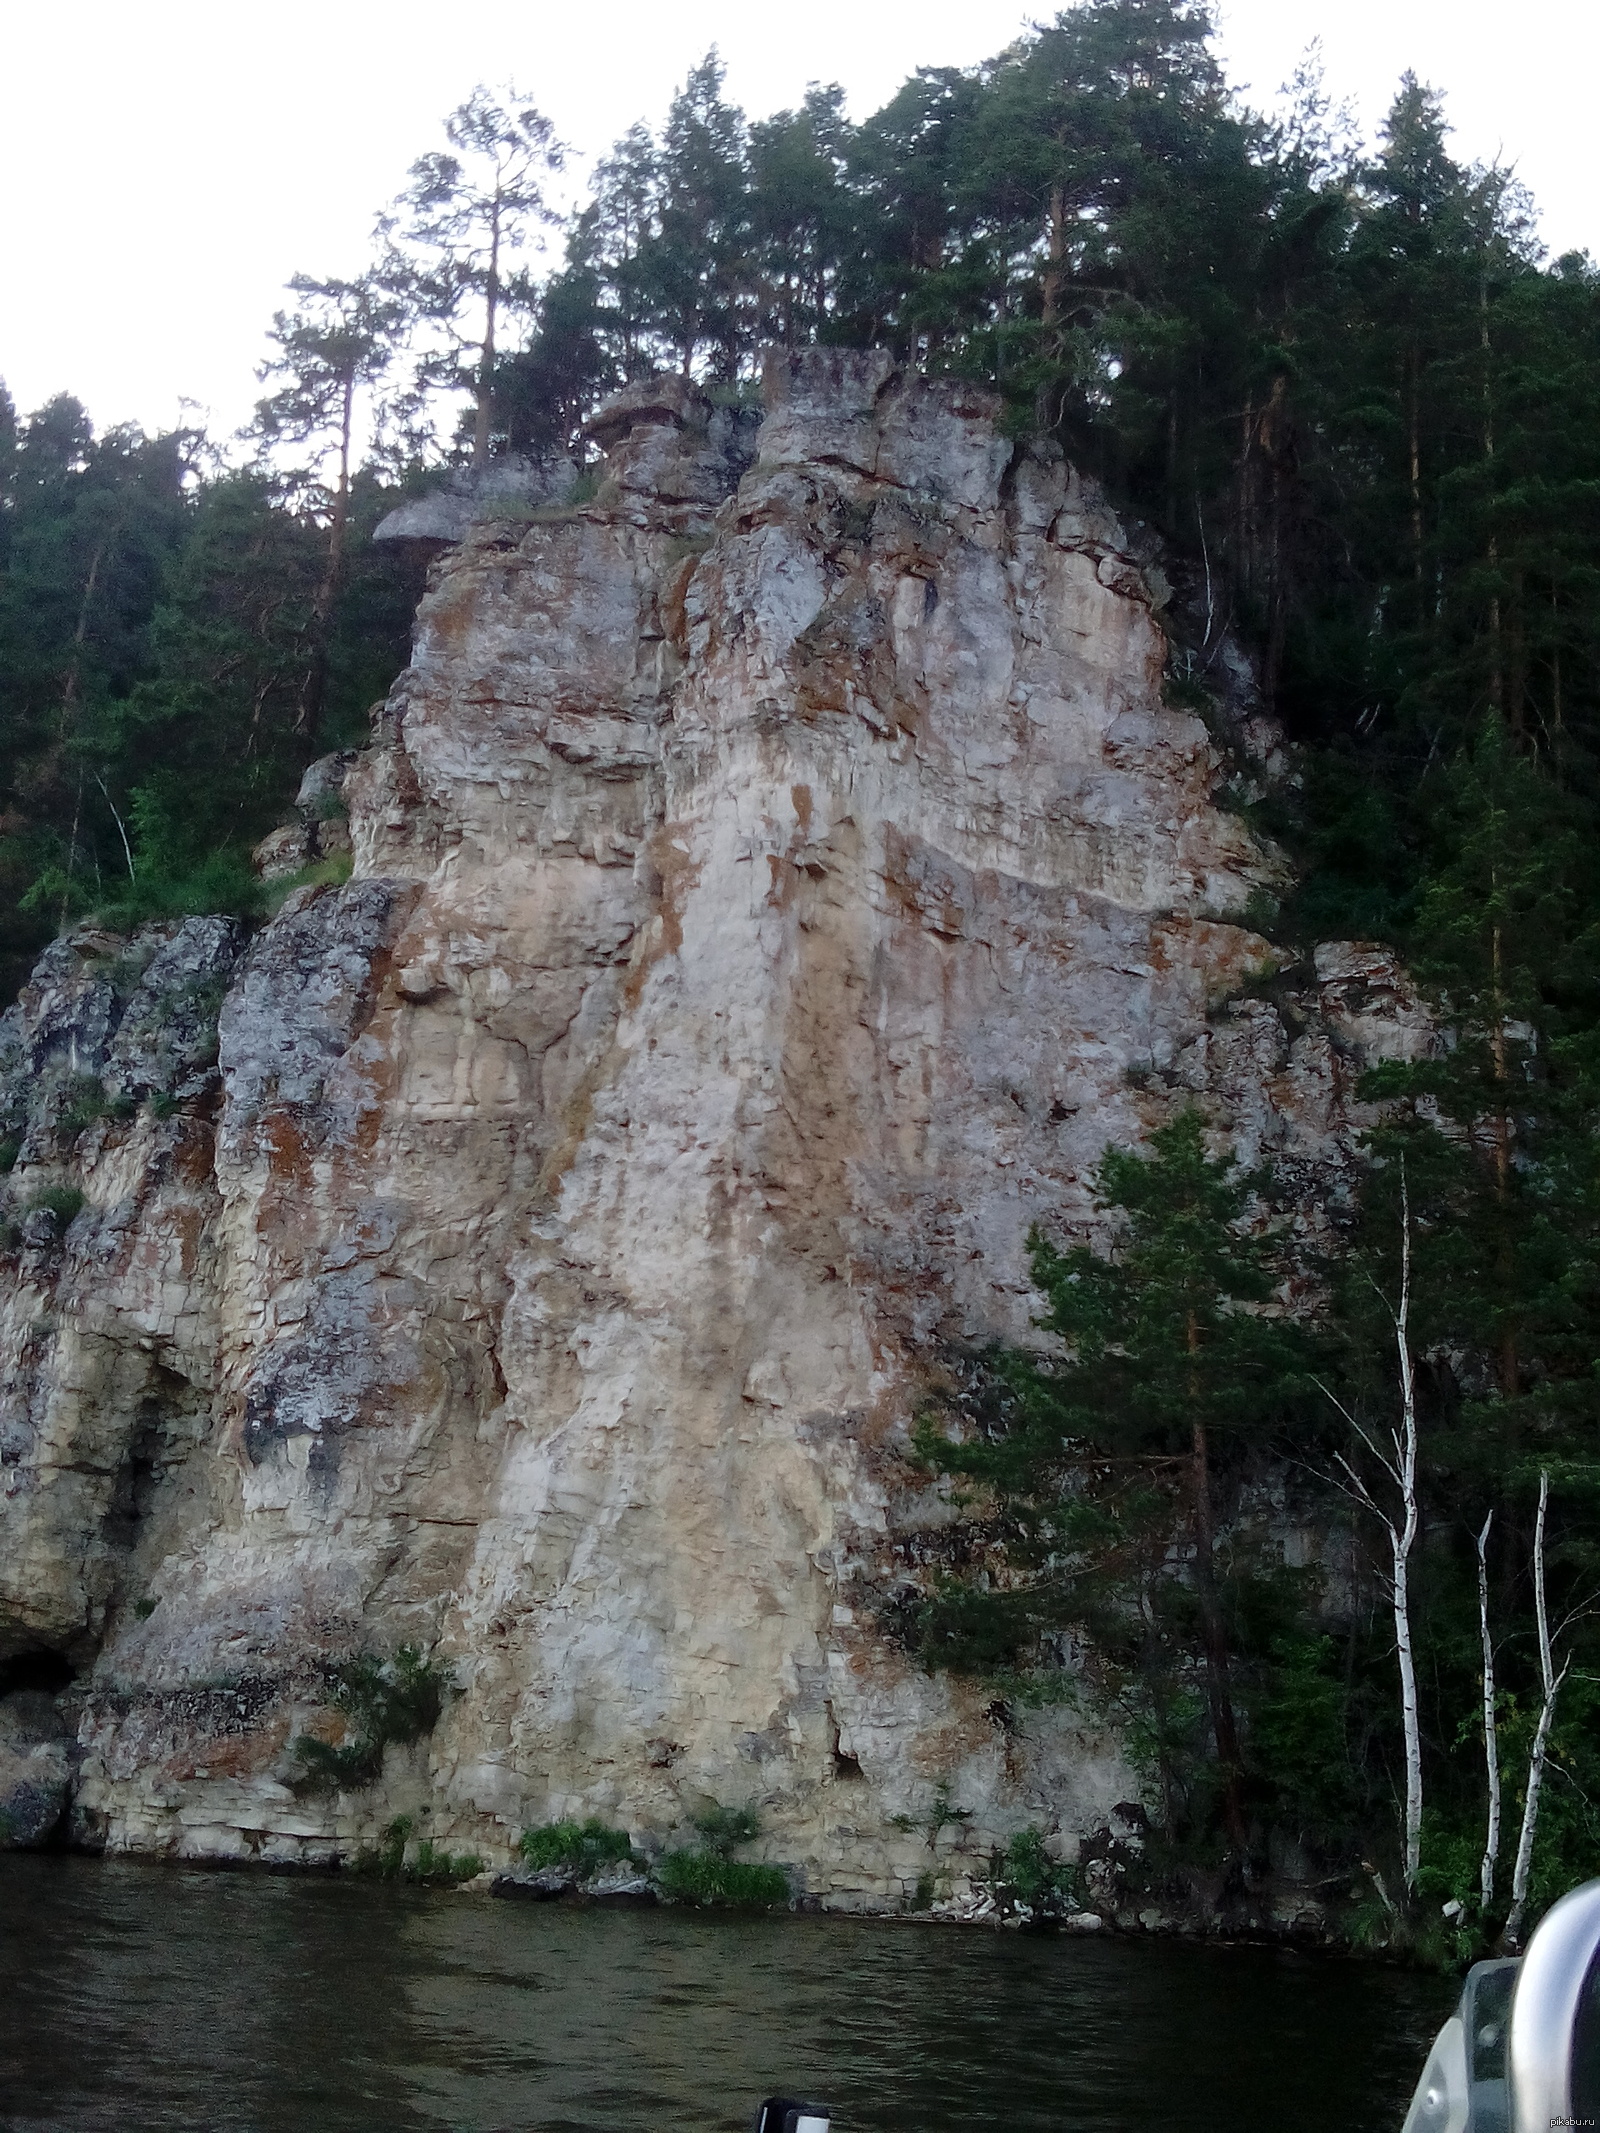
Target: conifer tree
[(609, 240), (1168, 1363), (454, 236), (339, 341), (1502, 1117), (800, 217), (694, 266)]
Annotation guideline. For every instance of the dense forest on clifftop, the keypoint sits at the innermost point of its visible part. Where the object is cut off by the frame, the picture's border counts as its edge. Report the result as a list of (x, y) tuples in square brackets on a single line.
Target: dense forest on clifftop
[(1344, 384)]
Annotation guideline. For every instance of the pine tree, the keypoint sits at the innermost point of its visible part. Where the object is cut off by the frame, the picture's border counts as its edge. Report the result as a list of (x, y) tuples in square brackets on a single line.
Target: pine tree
[(453, 236), (693, 266), (339, 341), (1168, 1362), (609, 240), (800, 217)]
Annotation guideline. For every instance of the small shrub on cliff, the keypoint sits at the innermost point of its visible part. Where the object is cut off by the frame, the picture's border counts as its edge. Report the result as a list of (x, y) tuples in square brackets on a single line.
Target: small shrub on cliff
[(166, 887), (722, 1828), (385, 1700), (62, 1202), (332, 872), (587, 1846), (86, 1101), (431, 1863), (386, 1861)]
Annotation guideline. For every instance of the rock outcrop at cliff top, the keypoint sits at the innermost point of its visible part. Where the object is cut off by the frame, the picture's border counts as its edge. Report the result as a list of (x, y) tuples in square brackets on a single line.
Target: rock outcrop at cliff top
[(774, 884)]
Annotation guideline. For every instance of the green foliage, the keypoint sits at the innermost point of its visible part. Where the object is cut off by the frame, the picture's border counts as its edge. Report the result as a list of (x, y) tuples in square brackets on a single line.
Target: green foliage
[(387, 1861), (707, 1874), (586, 1846), (63, 1202), (722, 1829), (1298, 1720), (221, 881), (397, 1858), (165, 635), (1102, 1470), (941, 1813), (331, 873), (9, 1151), (1025, 1873), (85, 1101), (431, 1863), (383, 1700), (705, 1877)]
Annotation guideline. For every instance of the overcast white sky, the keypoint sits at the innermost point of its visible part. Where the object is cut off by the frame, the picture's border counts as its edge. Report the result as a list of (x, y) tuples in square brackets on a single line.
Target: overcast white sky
[(166, 164)]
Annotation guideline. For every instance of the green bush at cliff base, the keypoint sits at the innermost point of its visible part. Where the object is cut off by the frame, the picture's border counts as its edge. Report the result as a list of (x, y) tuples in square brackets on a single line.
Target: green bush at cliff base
[(707, 1874), (706, 1878), (1025, 1873), (587, 1846), (332, 872), (388, 1861)]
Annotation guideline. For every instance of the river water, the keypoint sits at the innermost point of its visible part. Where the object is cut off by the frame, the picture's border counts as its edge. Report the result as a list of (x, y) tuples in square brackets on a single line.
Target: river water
[(138, 1998)]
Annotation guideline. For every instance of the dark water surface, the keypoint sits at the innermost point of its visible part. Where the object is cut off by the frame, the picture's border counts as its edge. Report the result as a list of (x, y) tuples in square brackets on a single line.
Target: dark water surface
[(139, 1997)]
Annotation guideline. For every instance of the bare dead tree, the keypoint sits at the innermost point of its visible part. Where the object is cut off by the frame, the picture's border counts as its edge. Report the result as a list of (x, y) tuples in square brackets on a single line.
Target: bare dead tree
[(1551, 1682), (1400, 1521), (1491, 1738)]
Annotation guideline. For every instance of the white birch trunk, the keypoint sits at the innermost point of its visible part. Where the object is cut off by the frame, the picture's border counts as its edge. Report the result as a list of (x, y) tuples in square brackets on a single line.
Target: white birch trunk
[(1402, 1526), (1401, 1539), (1491, 1737), (1551, 1682)]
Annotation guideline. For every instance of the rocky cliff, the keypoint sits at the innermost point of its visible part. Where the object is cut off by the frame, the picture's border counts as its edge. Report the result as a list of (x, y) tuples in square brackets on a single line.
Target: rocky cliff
[(775, 880)]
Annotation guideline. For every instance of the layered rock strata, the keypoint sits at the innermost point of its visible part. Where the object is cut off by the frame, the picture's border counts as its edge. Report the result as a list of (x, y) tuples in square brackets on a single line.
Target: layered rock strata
[(773, 886)]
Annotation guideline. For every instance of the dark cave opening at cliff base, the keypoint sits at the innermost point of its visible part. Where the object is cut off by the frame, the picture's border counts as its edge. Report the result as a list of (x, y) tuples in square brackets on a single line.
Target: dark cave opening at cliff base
[(40, 1670)]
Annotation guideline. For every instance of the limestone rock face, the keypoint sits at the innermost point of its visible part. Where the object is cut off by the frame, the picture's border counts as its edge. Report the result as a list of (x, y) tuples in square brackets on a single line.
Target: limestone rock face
[(508, 487), (774, 885)]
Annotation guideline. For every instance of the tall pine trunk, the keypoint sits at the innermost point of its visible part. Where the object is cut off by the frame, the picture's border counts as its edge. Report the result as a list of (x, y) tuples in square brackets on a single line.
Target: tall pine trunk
[(314, 693), (1505, 1259), (491, 306)]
